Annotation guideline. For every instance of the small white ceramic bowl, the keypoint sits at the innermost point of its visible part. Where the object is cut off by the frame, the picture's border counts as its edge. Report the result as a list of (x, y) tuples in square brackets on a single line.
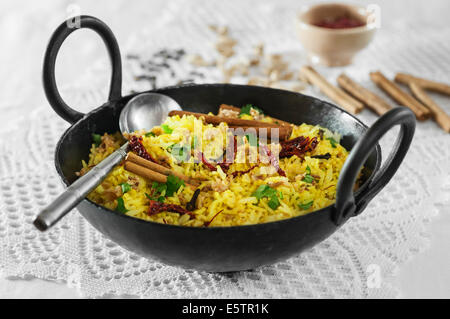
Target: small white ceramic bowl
[(335, 47)]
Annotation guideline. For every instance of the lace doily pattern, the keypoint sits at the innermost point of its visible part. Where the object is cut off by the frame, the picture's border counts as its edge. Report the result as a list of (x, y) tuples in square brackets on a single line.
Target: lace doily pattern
[(385, 235)]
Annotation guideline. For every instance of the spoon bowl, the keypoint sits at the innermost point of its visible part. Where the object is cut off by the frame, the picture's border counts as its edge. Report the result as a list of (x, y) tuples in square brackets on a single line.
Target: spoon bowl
[(145, 111)]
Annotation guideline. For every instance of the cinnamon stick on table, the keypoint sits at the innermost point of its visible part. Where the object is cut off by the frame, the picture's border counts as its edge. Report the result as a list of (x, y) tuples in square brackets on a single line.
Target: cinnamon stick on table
[(403, 98), (333, 92), (370, 99), (423, 83), (438, 114), (284, 132)]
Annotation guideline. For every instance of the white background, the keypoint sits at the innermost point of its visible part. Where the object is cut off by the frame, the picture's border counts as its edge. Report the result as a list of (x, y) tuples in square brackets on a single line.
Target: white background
[(25, 27)]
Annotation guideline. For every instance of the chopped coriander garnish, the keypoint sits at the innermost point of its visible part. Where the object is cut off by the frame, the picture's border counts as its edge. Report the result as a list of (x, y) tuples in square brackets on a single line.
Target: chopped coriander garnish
[(247, 108), (306, 206), (274, 202), (261, 191), (166, 129), (121, 206), (252, 139), (125, 187), (194, 142), (181, 153), (308, 170), (159, 199), (269, 192), (149, 134), (97, 138), (332, 142), (166, 189), (308, 178), (160, 188), (173, 184)]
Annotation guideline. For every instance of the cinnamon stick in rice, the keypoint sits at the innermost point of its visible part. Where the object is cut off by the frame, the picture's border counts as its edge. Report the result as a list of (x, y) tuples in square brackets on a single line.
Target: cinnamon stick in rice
[(284, 132), (333, 92), (423, 83), (225, 107), (438, 114), (145, 172), (370, 99), (400, 96), (133, 158)]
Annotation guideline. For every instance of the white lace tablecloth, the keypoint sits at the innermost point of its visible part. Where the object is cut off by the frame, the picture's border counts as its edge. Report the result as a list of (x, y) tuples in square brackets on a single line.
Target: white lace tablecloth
[(391, 230)]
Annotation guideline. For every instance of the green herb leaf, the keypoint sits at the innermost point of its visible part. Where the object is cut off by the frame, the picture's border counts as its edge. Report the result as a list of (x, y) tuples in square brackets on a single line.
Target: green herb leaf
[(332, 142), (308, 179), (149, 134), (194, 142), (156, 197), (160, 188), (260, 191), (173, 184), (181, 153), (252, 139), (97, 138), (308, 170), (273, 202), (125, 187), (247, 108), (306, 206), (269, 192), (121, 206), (166, 129), (161, 199)]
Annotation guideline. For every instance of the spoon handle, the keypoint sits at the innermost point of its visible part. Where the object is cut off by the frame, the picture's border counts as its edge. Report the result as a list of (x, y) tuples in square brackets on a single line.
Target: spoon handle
[(77, 191)]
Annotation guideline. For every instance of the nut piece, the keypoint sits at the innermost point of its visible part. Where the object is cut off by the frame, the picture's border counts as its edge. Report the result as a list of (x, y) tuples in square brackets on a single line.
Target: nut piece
[(198, 60)]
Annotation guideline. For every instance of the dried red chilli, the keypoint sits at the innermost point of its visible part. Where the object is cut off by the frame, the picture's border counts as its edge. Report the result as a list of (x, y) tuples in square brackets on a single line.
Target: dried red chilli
[(238, 173), (273, 160), (135, 145), (209, 223), (156, 207), (225, 166), (205, 162), (298, 146)]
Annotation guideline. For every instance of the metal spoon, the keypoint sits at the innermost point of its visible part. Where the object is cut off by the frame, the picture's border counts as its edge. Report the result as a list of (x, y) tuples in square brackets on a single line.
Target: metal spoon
[(142, 112)]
